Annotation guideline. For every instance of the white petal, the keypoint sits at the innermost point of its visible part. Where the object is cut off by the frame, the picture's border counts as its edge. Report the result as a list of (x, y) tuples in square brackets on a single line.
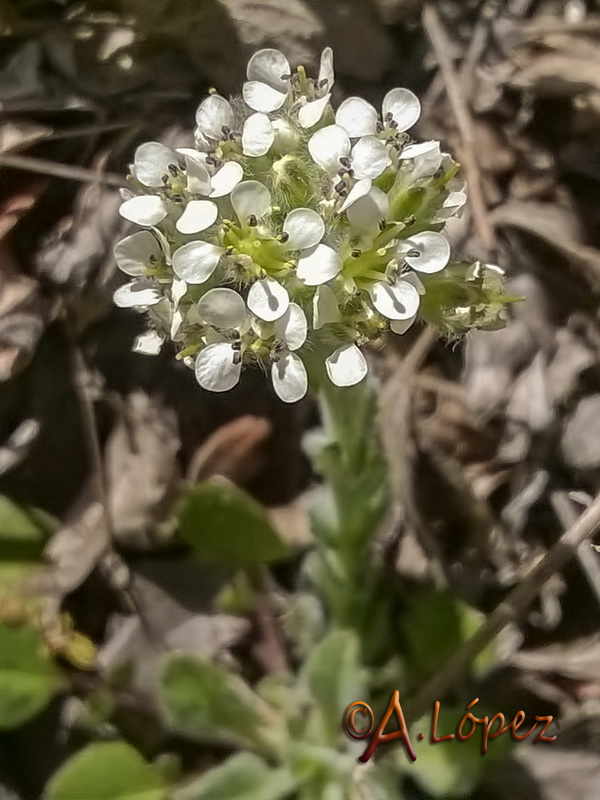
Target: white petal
[(148, 344), (325, 307), (250, 197), (318, 265), (195, 262), (164, 244), (366, 212), (395, 302), (327, 146), (258, 135), (414, 280), (304, 227), (289, 377), (404, 107), (271, 67), (192, 153), (176, 323), (427, 158), (360, 189), (434, 249), (268, 300), (136, 293), (292, 327), (224, 181), (370, 157), (326, 72), (147, 210), (453, 205), (178, 291), (215, 368), (203, 143), (151, 163), (198, 216), (261, 97), (311, 113), (400, 326), (212, 114), (222, 308), (198, 176), (347, 366), (134, 252), (357, 117)]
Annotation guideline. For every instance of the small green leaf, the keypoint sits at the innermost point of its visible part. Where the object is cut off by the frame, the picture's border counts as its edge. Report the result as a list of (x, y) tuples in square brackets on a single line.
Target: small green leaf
[(334, 676), (223, 523), (107, 771), (28, 676), (242, 777), (204, 701), (436, 626)]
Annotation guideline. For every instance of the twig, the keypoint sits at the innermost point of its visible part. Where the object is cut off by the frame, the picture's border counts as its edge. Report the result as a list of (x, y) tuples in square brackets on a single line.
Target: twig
[(564, 509), (90, 432), (433, 383), (396, 409), (87, 130), (55, 170), (510, 610), (439, 42), (273, 651)]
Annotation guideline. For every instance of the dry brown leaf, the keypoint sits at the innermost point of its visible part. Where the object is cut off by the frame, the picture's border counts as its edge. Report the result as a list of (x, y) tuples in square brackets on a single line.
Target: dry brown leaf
[(141, 469), (232, 451), (22, 319), (15, 207), (556, 227)]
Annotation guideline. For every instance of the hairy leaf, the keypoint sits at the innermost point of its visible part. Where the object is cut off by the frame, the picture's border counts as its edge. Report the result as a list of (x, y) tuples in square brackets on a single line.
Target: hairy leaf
[(28, 677), (107, 771), (204, 701), (222, 522)]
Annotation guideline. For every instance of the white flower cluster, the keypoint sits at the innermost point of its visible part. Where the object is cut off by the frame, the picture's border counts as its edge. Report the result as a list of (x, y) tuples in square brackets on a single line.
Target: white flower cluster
[(289, 229)]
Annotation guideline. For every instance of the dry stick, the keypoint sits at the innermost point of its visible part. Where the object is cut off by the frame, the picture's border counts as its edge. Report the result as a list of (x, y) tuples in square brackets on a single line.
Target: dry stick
[(90, 432), (565, 510), (510, 610), (441, 46), (55, 170)]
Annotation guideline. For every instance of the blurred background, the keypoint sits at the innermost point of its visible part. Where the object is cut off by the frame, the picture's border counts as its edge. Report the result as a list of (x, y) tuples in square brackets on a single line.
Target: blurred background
[(492, 441)]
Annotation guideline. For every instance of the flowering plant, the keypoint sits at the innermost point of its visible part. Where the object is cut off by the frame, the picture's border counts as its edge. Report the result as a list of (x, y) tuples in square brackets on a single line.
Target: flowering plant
[(292, 228)]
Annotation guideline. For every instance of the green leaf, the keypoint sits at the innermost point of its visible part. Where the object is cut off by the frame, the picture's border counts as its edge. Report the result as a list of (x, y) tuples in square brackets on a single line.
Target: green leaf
[(204, 701), (436, 626), (28, 676), (334, 676), (223, 523), (107, 771), (242, 777), (22, 531)]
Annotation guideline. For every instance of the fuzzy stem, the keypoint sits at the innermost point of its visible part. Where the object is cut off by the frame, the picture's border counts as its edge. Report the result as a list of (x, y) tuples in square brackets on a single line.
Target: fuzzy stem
[(353, 465)]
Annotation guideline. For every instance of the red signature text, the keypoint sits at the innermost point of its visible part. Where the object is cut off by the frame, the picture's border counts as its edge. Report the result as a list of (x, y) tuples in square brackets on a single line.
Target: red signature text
[(360, 724)]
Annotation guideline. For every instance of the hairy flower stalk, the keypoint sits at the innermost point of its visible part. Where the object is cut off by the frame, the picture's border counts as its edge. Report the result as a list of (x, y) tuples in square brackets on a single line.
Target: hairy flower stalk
[(293, 228)]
